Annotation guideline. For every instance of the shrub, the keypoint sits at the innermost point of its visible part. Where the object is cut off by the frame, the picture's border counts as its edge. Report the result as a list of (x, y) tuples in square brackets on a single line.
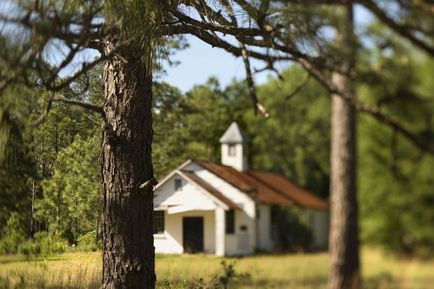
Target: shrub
[(88, 242), (13, 235), (50, 243), (229, 276), (44, 244), (290, 229), (30, 248), (228, 279)]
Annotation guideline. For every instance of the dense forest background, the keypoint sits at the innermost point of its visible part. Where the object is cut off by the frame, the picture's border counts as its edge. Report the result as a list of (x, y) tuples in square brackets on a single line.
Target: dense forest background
[(49, 174)]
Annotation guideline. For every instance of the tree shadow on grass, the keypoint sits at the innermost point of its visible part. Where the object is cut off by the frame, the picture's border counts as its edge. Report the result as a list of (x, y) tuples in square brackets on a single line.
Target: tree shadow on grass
[(305, 283), (385, 280)]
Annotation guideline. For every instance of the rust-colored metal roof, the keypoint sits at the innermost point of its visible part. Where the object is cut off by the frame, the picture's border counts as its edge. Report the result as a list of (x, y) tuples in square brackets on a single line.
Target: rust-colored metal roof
[(290, 190), (266, 187), (213, 191), (250, 185)]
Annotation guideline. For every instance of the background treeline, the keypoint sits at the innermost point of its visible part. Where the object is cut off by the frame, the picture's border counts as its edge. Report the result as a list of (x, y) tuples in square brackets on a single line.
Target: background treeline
[(49, 174)]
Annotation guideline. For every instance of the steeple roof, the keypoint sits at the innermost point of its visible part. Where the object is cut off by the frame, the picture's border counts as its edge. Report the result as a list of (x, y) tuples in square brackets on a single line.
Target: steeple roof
[(233, 135)]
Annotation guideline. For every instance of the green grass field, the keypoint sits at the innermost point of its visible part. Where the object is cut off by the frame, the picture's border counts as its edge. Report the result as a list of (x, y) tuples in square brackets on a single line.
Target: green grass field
[(307, 271)]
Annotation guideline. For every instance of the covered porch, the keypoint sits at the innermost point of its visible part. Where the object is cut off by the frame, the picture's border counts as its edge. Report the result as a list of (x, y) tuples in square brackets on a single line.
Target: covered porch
[(190, 231)]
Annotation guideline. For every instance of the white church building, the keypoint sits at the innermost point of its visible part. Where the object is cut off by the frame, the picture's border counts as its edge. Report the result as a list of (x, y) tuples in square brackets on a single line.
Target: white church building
[(225, 209)]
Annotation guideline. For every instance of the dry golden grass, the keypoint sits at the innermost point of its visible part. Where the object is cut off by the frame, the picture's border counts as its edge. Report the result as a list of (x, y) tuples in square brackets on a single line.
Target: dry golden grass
[(295, 271)]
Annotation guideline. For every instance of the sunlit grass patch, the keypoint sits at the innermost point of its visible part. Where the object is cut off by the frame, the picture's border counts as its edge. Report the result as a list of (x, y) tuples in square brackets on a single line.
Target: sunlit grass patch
[(291, 271), (69, 270)]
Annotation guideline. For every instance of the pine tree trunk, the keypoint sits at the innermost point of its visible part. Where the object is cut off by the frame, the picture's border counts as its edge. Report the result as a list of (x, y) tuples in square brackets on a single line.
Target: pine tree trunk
[(344, 241), (128, 245)]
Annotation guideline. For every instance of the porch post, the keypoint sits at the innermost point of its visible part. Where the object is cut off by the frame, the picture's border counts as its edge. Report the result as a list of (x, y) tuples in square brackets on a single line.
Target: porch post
[(220, 231)]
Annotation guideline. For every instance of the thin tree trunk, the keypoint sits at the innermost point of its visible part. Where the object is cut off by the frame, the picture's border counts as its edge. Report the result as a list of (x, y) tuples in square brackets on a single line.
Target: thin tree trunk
[(32, 212), (128, 245), (344, 240)]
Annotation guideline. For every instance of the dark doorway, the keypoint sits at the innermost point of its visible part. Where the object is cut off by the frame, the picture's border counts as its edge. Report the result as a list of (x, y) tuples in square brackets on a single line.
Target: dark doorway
[(192, 230)]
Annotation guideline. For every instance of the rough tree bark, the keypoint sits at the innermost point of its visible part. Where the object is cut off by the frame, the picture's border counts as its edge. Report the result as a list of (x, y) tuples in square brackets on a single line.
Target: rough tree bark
[(128, 245), (344, 241)]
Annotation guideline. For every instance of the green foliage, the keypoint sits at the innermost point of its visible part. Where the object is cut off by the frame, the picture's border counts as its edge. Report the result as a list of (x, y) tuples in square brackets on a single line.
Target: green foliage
[(229, 278), (30, 248), (61, 127), (136, 21), (290, 230), (207, 120), (195, 122), (168, 148), (395, 178), (395, 192), (50, 243), (295, 141), (14, 240), (71, 202), (17, 170), (89, 242), (13, 235), (43, 244), (30, 152)]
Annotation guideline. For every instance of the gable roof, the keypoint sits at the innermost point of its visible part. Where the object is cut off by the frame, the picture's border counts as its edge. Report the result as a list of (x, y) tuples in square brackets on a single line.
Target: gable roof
[(167, 177), (263, 187), (233, 135), (245, 183), (212, 190)]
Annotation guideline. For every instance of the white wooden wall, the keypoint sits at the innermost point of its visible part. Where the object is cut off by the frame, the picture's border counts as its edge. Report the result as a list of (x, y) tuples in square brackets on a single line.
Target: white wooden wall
[(263, 231)]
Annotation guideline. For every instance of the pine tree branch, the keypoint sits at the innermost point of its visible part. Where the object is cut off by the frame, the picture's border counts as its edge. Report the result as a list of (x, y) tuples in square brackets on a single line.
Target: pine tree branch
[(375, 112), (4, 82), (215, 41), (52, 99), (44, 114), (396, 27), (257, 106), (276, 42), (424, 6), (223, 28), (299, 87), (82, 104)]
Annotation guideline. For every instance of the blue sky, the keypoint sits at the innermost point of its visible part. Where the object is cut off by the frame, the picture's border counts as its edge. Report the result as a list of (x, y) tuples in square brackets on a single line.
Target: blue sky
[(201, 61)]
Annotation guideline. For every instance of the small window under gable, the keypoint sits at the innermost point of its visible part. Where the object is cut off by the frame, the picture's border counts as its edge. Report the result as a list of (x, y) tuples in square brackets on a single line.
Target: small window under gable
[(158, 226), (178, 184), (232, 150)]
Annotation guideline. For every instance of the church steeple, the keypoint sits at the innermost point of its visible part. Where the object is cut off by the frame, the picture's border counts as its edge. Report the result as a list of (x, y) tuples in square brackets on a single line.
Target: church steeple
[(233, 148)]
